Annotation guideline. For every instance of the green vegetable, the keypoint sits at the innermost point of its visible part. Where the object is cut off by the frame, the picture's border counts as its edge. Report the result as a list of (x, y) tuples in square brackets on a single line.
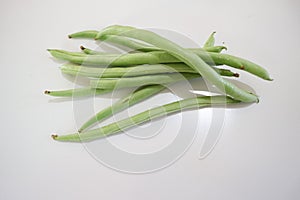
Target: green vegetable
[(137, 81), (210, 42), (131, 99), (183, 55), (145, 116), (76, 92), (126, 42), (140, 70), (153, 63)]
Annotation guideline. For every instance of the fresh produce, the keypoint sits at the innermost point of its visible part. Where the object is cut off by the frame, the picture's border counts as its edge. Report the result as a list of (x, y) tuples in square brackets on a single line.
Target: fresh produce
[(153, 63)]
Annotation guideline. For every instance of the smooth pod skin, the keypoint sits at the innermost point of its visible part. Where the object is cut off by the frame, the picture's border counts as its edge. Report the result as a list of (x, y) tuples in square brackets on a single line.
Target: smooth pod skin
[(71, 53), (137, 96), (127, 42), (139, 70), (89, 34), (155, 57), (216, 49), (145, 116), (76, 92), (137, 81), (235, 62), (116, 40)]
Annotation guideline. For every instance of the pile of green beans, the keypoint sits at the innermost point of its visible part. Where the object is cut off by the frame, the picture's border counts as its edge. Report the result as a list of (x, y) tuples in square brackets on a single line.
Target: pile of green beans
[(152, 64)]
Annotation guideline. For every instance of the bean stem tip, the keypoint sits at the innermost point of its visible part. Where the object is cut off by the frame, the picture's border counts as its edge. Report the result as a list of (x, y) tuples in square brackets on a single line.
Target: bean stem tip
[(236, 75), (54, 136), (82, 48)]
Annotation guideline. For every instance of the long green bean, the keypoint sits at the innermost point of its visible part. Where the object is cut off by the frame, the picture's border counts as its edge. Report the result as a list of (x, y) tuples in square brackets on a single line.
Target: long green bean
[(155, 57), (117, 40), (89, 34), (137, 81), (131, 99), (145, 116), (71, 53), (126, 42), (215, 49), (140, 70), (76, 92)]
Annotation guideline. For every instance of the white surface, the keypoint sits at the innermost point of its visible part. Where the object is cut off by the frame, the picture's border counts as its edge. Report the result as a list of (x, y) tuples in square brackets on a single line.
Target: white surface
[(257, 156)]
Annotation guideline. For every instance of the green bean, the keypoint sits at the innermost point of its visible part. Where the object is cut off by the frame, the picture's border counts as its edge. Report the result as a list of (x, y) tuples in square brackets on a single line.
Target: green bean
[(108, 83), (123, 41), (134, 98), (235, 62), (90, 34), (139, 70), (71, 53), (210, 42), (216, 49), (117, 40), (76, 92), (145, 116), (154, 57)]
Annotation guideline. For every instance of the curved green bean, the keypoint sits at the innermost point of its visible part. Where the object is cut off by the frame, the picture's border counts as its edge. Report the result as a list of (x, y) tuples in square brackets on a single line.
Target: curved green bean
[(89, 34), (134, 98), (185, 56), (137, 81), (154, 57), (145, 116), (216, 49), (116, 40), (139, 70), (76, 92), (126, 42)]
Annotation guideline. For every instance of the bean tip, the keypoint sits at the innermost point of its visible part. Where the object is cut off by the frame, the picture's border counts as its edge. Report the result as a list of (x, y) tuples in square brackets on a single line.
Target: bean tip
[(46, 92), (69, 36), (54, 136), (82, 48), (236, 75)]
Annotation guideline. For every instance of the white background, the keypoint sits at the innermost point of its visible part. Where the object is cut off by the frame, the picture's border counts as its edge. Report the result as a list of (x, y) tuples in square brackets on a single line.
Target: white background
[(257, 156)]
